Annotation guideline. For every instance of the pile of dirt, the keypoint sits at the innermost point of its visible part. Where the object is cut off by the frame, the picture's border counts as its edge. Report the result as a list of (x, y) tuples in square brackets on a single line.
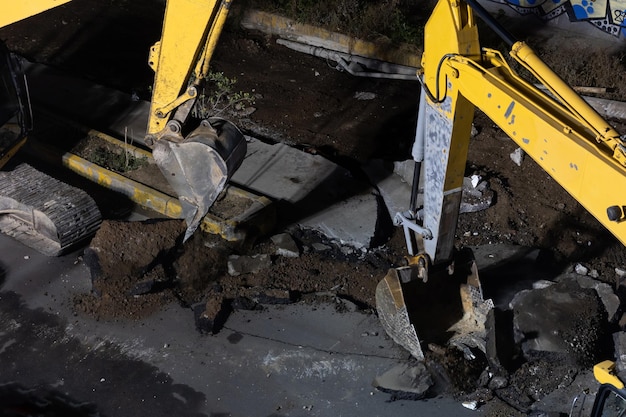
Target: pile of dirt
[(138, 267)]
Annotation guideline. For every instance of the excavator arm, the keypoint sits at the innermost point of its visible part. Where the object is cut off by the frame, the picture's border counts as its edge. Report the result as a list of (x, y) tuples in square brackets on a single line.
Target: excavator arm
[(197, 157), (560, 131)]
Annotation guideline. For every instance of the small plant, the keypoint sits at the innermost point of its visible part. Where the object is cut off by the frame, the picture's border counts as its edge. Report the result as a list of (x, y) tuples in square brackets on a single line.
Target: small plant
[(218, 96), (116, 161)]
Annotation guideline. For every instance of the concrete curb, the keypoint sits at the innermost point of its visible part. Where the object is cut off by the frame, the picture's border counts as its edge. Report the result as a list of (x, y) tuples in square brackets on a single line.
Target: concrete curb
[(290, 29)]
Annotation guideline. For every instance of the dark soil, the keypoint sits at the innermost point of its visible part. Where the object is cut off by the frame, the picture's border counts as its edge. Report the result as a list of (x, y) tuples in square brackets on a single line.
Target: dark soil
[(303, 101)]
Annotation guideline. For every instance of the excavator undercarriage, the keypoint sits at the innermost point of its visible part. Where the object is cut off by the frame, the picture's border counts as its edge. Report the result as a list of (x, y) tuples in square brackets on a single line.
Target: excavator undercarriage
[(36, 209)]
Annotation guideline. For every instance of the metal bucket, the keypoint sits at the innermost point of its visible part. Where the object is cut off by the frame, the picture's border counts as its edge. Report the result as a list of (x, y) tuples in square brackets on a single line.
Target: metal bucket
[(198, 167)]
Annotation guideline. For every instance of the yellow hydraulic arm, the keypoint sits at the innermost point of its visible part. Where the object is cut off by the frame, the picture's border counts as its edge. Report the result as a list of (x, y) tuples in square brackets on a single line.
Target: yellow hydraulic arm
[(19, 10), (561, 132), (197, 157), (181, 58)]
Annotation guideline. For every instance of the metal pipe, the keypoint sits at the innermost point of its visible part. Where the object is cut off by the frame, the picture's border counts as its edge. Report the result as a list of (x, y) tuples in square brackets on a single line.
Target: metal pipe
[(491, 22)]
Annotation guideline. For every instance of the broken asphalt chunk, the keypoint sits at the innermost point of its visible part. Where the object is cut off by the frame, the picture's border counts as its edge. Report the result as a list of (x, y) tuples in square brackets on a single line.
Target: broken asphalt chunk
[(405, 381), (563, 318), (286, 246), (211, 315), (254, 264)]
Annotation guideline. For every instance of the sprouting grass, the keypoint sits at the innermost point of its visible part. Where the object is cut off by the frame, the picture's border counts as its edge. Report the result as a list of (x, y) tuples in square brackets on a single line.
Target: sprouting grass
[(116, 161)]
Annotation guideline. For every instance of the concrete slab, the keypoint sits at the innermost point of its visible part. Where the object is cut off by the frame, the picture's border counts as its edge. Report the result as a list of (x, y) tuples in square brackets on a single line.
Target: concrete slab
[(351, 222), (311, 192)]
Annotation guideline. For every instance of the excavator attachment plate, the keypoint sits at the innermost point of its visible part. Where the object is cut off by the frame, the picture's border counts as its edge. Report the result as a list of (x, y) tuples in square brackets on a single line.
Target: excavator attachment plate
[(199, 167), (45, 213)]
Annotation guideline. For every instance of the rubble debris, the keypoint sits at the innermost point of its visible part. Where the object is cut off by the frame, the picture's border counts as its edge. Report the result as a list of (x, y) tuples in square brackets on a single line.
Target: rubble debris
[(261, 295), (365, 95), (472, 405), (476, 195), (211, 315), (320, 247), (609, 299), (568, 399), (405, 381), (517, 156), (619, 340), (581, 269), (254, 264), (562, 318), (285, 245)]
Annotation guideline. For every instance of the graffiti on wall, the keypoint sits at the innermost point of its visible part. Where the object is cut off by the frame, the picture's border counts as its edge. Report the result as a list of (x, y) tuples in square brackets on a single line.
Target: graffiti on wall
[(607, 15)]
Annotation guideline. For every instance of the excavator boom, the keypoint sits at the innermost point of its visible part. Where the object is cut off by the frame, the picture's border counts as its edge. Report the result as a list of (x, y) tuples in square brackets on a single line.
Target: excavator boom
[(559, 130)]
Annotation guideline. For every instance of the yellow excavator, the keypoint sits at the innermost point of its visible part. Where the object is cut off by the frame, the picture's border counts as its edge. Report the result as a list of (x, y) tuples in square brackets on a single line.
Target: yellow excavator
[(197, 157), (611, 396), (557, 128)]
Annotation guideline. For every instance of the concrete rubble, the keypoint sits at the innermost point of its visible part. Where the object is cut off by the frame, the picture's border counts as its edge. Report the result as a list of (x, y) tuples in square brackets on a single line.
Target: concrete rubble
[(405, 381), (312, 192), (285, 245), (561, 325), (562, 318), (254, 264)]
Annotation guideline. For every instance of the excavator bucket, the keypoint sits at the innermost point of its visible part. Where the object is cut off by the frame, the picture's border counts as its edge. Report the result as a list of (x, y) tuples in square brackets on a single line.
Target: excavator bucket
[(198, 167), (393, 312), (447, 308)]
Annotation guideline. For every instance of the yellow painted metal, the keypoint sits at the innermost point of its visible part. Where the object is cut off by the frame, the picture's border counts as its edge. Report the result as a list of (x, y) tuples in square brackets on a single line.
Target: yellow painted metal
[(561, 140), (451, 29), (453, 114), (553, 137), (188, 27), (604, 374), (604, 132), (138, 193), (16, 10), (11, 152), (202, 69)]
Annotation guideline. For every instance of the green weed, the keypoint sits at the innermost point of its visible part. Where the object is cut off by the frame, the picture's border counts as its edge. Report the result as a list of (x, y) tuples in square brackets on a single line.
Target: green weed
[(219, 96)]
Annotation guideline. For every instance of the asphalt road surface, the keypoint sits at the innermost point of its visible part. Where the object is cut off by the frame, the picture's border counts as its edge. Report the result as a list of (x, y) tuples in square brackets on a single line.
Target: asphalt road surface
[(298, 360)]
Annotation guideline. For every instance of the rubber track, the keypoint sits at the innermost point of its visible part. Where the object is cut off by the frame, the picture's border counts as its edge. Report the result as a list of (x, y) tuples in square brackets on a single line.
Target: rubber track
[(31, 193)]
